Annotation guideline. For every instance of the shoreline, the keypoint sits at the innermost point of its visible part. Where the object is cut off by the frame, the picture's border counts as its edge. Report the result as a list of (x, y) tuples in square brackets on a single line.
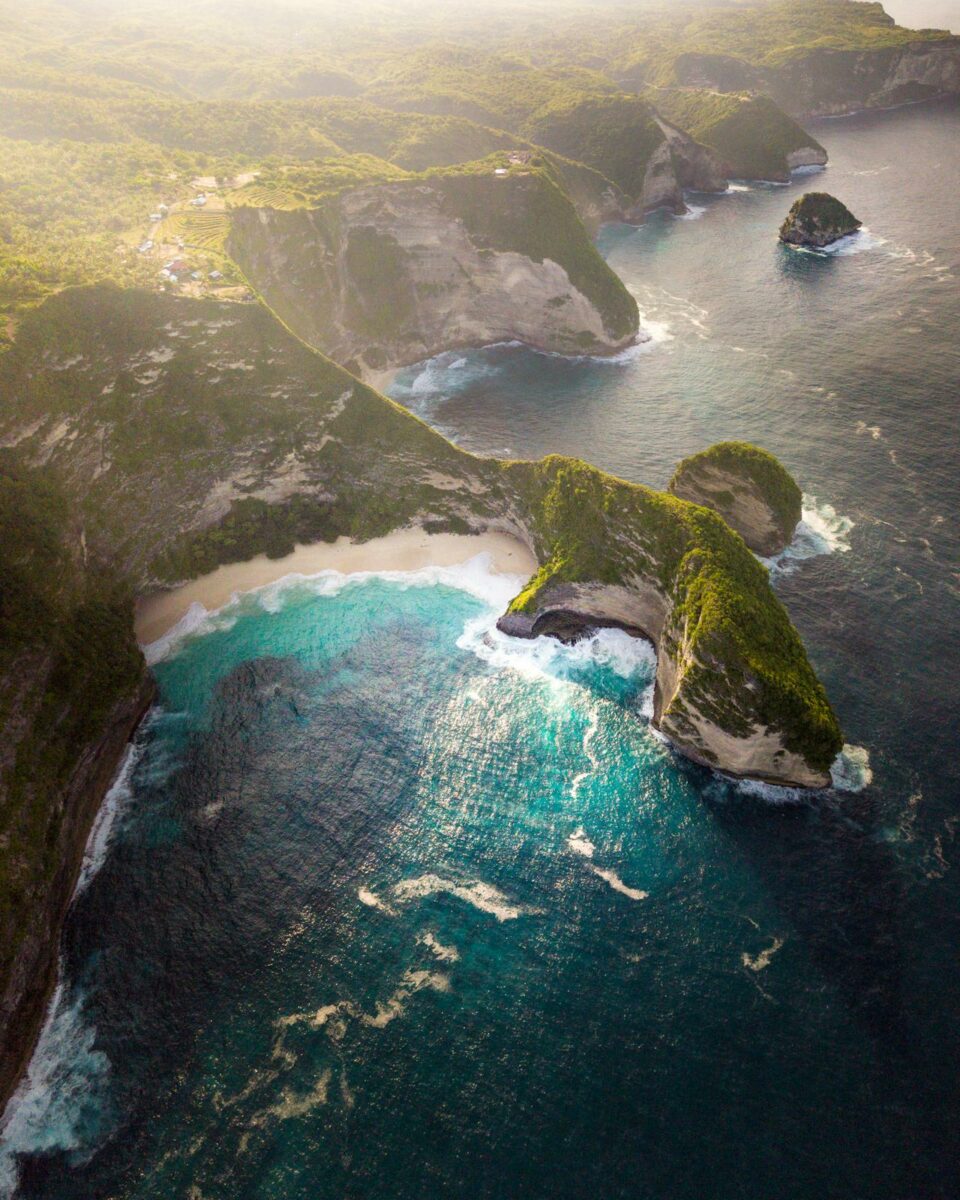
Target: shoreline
[(409, 549), (381, 379)]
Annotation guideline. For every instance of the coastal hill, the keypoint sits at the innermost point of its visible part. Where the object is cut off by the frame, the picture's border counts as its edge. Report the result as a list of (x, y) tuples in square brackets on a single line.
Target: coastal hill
[(394, 273), (748, 487)]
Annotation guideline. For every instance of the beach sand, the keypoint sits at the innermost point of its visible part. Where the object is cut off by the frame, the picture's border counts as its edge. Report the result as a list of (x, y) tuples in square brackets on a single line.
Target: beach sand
[(402, 550)]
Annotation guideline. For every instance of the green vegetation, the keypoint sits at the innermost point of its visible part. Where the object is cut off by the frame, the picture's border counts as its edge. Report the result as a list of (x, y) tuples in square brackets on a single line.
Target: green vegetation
[(538, 221), (728, 621), (67, 656), (817, 219), (616, 135), (752, 134), (775, 485), (364, 466)]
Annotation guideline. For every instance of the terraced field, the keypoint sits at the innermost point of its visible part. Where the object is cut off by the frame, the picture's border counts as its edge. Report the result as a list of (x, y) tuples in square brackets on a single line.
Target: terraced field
[(204, 230), (265, 195)]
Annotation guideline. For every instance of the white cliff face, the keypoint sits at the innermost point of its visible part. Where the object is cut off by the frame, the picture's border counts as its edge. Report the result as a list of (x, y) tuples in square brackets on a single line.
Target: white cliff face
[(739, 501), (806, 156), (394, 275), (746, 747), (828, 83)]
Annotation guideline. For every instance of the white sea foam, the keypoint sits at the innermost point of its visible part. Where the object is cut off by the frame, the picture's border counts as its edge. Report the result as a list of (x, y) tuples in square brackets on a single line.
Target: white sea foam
[(761, 961), (822, 530), (579, 843), (483, 896), (413, 981), (476, 577), (547, 658), (101, 834), (807, 169), (195, 621), (693, 213), (613, 880), (372, 900), (589, 735), (770, 793), (851, 769), (59, 1104), (437, 948), (853, 243)]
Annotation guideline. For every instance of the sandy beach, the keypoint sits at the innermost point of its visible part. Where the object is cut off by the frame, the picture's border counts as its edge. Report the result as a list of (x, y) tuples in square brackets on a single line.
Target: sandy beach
[(402, 550)]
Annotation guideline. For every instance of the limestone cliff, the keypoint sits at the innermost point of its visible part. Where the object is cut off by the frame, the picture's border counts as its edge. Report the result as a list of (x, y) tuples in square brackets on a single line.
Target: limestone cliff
[(390, 274), (817, 219), (748, 487)]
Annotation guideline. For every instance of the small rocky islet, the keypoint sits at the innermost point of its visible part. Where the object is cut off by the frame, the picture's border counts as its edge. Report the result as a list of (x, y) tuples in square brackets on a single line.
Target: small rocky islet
[(816, 220)]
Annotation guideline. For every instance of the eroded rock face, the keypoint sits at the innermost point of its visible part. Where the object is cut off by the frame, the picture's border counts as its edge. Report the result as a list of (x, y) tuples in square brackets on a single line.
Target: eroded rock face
[(388, 275), (748, 488), (695, 166), (827, 81), (818, 219)]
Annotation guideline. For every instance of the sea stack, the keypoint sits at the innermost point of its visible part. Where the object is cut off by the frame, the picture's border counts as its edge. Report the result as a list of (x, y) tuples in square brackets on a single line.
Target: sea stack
[(748, 487), (817, 219)]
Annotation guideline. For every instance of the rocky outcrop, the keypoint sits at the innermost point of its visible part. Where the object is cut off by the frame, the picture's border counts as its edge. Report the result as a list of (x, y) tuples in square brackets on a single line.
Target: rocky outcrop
[(387, 275), (806, 156), (817, 220), (748, 487), (30, 972)]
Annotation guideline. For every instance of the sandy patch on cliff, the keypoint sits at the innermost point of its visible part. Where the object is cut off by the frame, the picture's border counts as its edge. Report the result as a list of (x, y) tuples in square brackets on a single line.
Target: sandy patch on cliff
[(402, 550)]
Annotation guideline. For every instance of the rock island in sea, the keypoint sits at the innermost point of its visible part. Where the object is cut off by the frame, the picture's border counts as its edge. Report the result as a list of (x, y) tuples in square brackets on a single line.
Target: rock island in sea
[(817, 220)]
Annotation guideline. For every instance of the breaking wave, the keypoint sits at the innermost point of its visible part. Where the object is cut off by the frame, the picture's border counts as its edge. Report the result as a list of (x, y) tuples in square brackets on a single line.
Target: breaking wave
[(546, 657), (822, 530), (60, 1104), (476, 577), (851, 771)]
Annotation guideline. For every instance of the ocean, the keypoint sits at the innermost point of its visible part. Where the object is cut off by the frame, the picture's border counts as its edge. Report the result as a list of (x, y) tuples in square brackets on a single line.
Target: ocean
[(384, 905)]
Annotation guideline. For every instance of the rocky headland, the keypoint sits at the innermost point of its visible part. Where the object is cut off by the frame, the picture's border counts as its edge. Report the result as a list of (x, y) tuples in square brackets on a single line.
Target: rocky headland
[(390, 274)]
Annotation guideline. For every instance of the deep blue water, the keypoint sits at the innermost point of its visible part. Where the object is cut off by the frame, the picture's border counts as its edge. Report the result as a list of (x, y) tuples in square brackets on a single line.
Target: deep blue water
[(392, 911)]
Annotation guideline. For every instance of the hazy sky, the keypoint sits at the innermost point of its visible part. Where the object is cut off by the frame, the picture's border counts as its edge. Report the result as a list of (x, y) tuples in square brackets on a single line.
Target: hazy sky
[(923, 14)]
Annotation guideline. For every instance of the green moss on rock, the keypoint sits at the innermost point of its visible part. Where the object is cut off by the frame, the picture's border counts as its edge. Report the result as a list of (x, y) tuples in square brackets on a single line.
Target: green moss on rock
[(817, 219)]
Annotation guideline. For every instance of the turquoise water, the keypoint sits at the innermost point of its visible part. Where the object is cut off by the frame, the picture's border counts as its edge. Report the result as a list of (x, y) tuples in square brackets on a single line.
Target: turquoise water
[(393, 907)]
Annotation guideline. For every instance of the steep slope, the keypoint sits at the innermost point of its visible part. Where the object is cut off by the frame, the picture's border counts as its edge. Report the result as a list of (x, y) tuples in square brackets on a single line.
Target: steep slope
[(753, 137), (822, 57), (380, 276), (624, 138), (73, 685), (748, 487), (817, 219)]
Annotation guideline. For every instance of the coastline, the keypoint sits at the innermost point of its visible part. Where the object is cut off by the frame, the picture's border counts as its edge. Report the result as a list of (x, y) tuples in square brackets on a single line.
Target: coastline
[(409, 549)]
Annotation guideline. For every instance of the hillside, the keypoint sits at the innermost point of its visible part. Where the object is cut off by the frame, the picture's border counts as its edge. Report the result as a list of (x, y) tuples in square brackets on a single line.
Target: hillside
[(394, 273), (753, 137)]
